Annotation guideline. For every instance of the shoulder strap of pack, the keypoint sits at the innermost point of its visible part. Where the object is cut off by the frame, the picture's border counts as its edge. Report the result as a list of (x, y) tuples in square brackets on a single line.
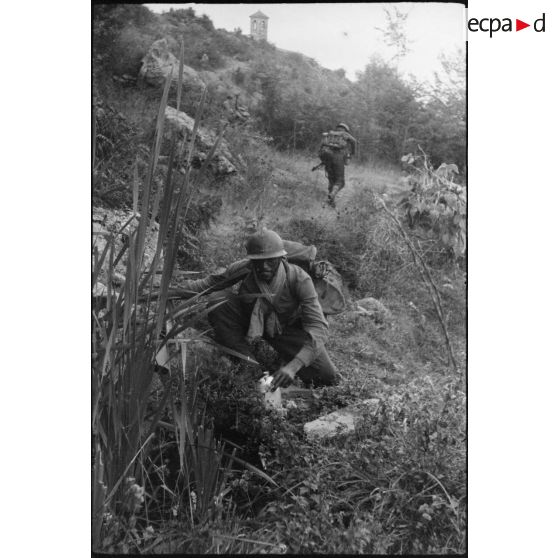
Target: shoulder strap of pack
[(291, 280)]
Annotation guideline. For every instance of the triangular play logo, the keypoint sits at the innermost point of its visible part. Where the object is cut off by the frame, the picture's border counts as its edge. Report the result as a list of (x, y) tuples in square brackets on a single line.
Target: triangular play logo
[(519, 25)]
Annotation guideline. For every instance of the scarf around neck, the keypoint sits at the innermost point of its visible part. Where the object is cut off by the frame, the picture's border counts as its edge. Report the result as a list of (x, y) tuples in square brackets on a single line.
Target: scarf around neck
[(264, 317)]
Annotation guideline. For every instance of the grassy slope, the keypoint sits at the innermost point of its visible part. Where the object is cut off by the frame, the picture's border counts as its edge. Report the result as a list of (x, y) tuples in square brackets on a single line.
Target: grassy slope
[(292, 194), (402, 361)]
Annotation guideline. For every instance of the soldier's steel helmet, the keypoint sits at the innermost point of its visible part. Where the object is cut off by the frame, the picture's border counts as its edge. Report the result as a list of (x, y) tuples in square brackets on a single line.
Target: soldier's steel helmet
[(344, 126), (265, 244)]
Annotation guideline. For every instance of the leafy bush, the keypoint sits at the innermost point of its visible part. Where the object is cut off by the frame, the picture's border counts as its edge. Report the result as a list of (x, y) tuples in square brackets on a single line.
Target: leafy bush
[(238, 77), (233, 44), (120, 15), (206, 23), (208, 55), (437, 206), (181, 15), (117, 145), (129, 48), (121, 36)]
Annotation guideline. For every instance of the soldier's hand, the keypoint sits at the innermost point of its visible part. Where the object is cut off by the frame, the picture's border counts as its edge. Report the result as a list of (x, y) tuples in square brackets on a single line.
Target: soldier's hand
[(283, 377)]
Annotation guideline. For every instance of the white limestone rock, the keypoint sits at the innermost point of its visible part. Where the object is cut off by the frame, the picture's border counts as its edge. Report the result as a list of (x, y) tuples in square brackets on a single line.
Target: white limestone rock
[(205, 139), (339, 422), (159, 61)]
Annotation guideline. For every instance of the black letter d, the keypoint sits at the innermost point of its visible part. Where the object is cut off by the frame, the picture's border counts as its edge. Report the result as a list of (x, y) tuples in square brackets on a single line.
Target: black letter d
[(541, 19)]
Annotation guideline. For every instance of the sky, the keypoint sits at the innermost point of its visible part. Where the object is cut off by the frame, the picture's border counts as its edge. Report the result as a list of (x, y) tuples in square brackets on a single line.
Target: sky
[(344, 35)]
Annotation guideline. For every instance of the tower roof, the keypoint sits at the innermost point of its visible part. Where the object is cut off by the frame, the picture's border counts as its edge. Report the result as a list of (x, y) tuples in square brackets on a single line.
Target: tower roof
[(259, 14)]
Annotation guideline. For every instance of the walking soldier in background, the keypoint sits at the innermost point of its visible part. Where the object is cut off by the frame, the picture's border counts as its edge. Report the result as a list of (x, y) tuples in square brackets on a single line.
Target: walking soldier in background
[(276, 301), (336, 149)]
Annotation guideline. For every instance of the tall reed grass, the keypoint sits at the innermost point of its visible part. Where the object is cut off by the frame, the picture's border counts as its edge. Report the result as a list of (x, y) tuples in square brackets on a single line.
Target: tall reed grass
[(130, 326)]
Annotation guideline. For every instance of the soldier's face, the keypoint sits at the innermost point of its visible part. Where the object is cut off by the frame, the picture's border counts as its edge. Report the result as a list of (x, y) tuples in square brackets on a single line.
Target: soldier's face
[(266, 269)]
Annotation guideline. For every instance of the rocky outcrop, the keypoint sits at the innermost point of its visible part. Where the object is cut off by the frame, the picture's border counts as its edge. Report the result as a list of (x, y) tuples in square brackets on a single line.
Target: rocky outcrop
[(339, 422), (183, 124), (109, 223), (159, 61)]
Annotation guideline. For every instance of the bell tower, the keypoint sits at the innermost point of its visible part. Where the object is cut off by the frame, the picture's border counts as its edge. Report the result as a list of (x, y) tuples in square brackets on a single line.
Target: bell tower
[(258, 26)]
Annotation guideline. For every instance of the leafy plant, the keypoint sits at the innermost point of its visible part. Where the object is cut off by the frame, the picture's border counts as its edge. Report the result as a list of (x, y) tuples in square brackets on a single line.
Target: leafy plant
[(436, 204), (394, 486)]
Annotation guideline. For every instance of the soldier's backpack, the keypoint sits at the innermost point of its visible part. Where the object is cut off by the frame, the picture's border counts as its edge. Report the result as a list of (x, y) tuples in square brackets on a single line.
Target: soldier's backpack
[(332, 143), (326, 279), (329, 286), (334, 140)]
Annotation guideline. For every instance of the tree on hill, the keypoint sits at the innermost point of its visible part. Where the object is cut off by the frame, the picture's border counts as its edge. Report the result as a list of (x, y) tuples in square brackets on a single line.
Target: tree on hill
[(181, 14), (388, 109), (116, 16), (442, 127), (118, 43)]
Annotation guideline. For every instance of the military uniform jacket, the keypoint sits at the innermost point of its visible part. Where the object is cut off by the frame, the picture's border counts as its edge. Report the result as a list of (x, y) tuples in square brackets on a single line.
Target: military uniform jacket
[(298, 300)]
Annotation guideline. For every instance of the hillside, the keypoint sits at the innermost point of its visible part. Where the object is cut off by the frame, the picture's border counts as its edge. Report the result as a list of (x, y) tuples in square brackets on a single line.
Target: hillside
[(227, 63), (290, 97), (192, 461)]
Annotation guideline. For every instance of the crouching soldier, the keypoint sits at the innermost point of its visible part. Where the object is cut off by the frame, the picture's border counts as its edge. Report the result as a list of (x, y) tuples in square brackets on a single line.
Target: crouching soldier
[(276, 301)]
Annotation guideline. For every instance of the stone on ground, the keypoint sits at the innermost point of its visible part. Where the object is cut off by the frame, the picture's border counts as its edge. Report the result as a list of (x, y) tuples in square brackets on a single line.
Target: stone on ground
[(374, 309), (339, 422)]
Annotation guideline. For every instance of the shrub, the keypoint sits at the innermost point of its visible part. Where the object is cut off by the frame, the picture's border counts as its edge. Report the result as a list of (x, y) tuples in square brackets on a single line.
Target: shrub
[(130, 47), (206, 23), (238, 77), (120, 15), (181, 15), (117, 146), (232, 44), (120, 36), (437, 206), (207, 50)]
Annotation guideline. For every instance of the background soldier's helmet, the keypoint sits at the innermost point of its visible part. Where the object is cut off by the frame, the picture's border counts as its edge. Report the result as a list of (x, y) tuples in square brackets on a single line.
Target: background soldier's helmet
[(265, 244), (344, 126)]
